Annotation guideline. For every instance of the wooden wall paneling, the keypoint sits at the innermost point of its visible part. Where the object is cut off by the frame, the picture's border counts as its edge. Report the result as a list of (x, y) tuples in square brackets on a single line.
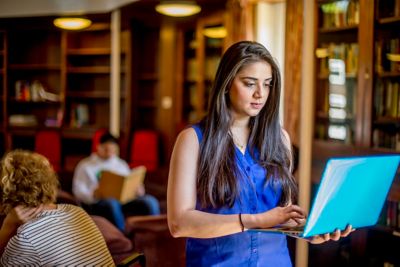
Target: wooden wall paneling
[(293, 59), (165, 107), (240, 20), (365, 74)]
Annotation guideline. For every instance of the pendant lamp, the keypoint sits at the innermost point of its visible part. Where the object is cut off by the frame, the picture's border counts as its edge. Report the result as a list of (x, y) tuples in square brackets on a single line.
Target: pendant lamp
[(72, 23), (178, 8)]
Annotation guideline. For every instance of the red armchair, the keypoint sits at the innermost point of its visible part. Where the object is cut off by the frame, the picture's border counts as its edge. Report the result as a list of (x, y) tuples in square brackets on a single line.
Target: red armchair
[(48, 143), (144, 150)]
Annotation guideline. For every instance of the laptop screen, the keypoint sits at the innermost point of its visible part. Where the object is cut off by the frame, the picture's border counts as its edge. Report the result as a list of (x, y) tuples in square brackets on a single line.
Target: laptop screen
[(352, 191)]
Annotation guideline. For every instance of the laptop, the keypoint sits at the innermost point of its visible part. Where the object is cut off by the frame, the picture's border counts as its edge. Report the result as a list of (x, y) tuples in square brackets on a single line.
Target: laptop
[(352, 191)]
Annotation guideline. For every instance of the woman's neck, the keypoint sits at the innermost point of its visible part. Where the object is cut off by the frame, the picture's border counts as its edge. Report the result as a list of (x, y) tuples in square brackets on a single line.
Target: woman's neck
[(50, 206), (240, 133)]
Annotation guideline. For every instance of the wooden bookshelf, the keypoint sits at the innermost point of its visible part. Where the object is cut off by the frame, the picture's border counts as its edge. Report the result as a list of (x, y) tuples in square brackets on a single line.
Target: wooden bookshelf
[(199, 56), (75, 68), (145, 74), (3, 82), (372, 124)]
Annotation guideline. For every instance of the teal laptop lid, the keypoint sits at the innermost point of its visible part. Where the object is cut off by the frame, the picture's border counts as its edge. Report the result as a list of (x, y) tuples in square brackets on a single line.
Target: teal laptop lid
[(352, 191)]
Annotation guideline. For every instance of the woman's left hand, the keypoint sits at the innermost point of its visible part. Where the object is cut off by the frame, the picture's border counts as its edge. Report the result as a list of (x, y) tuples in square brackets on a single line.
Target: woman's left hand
[(335, 236)]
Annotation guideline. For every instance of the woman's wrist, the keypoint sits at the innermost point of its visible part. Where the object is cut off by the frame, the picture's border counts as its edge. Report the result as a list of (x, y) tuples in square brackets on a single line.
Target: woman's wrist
[(248, 221)]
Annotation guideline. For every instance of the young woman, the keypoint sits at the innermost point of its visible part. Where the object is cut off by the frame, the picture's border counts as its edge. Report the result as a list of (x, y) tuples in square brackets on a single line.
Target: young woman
[(36, 231), (232, 171)]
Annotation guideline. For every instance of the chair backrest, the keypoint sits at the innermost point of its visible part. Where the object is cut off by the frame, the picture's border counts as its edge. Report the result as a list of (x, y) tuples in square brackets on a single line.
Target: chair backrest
[(48, 144), (144, 149), (96, 138)]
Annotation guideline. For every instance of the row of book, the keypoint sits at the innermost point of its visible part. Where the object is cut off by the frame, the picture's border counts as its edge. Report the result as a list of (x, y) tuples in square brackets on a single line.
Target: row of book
[(210, 68), (348, 52), (338, 132), (33, 91), (340, 14), (386, 139), (79, 115), (390, 215), (337, 96), (388, 8), (386, 53), (387, 100)]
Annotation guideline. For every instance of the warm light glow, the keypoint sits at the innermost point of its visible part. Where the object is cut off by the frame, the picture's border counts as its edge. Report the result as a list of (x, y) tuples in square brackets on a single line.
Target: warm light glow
[(72, 23), (178, 8), (217, 32), (322, 52), (393, 57)]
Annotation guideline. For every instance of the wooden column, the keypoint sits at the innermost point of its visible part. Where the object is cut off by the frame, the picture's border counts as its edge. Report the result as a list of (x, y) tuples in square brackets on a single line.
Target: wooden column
[(166, 94), (115, 81), (239, 21), (306, 120), (293, 66)]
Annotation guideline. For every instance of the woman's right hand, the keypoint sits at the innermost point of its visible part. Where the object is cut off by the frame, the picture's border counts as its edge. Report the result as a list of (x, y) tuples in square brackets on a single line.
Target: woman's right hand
[(20, 215), (287, 215)]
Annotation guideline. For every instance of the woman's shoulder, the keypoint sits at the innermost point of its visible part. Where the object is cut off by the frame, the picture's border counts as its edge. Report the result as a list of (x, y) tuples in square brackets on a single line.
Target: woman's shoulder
[(188, 134)]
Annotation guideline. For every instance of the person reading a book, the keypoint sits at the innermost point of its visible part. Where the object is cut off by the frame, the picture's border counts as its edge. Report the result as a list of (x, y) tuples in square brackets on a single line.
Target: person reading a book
[(35, 230), (232, 171), (86, 181)]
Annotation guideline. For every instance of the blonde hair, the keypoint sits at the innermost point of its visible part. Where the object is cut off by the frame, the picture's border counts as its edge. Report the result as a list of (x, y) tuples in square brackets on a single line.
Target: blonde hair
[(27, 179)]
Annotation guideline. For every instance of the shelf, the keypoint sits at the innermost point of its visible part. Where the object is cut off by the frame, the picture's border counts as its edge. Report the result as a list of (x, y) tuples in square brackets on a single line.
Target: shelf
[(348, 76), (90, 70), (326, 1), (388, 74), (325, 117), (389, 20), (19, 102), (147, 104), (23, 130), (387, 230), (98, 27), (84, 132), (387, 121), (88, 95), (338, 29), (89, 51), (39, 67), (148, 76)]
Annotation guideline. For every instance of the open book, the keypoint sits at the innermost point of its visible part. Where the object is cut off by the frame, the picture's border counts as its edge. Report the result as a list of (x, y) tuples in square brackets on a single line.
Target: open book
[(122, 188)]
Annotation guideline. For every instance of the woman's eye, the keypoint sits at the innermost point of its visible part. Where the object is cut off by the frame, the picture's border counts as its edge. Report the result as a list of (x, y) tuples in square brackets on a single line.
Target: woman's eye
[(250, 84), (267, 85)]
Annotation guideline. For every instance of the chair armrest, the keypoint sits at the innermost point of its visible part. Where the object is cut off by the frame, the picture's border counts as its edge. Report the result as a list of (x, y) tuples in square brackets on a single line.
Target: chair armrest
[(134, 258), (146, 223)]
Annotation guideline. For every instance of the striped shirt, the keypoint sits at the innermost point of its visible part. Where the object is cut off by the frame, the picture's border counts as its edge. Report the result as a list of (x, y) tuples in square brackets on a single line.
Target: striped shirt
[(65, 236)]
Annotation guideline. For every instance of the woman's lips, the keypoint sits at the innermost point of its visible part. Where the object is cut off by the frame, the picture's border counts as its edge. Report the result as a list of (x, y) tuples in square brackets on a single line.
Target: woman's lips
[(257, 105)]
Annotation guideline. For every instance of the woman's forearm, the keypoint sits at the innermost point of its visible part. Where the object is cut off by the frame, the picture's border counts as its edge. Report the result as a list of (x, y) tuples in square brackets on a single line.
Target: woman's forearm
[(6, 232), (200, 224)]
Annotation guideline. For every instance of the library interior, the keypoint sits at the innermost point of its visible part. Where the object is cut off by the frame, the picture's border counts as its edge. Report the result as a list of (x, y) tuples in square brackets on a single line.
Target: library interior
[(145, 76)]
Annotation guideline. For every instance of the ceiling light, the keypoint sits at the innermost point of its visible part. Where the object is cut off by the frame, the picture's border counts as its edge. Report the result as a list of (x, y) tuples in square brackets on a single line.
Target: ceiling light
[(72, 23), (217, 32), (178, 8)]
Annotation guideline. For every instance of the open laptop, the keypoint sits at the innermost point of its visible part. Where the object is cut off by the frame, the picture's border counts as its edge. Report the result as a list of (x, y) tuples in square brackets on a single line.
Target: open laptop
[(352, 191)]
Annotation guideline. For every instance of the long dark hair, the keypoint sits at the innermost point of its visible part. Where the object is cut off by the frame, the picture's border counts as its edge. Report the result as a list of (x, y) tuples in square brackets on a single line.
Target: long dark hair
[(217, 171)]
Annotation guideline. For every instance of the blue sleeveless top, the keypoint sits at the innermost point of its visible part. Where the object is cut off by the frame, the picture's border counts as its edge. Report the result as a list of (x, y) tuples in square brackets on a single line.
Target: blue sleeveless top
[(247, 248)]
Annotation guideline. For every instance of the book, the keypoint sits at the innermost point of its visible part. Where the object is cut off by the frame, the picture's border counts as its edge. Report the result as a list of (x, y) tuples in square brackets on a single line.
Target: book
[(120, 187)]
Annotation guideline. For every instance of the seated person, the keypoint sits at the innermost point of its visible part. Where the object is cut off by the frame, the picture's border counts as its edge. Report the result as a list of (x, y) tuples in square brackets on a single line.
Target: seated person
[(86, 181), (38, 232)]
